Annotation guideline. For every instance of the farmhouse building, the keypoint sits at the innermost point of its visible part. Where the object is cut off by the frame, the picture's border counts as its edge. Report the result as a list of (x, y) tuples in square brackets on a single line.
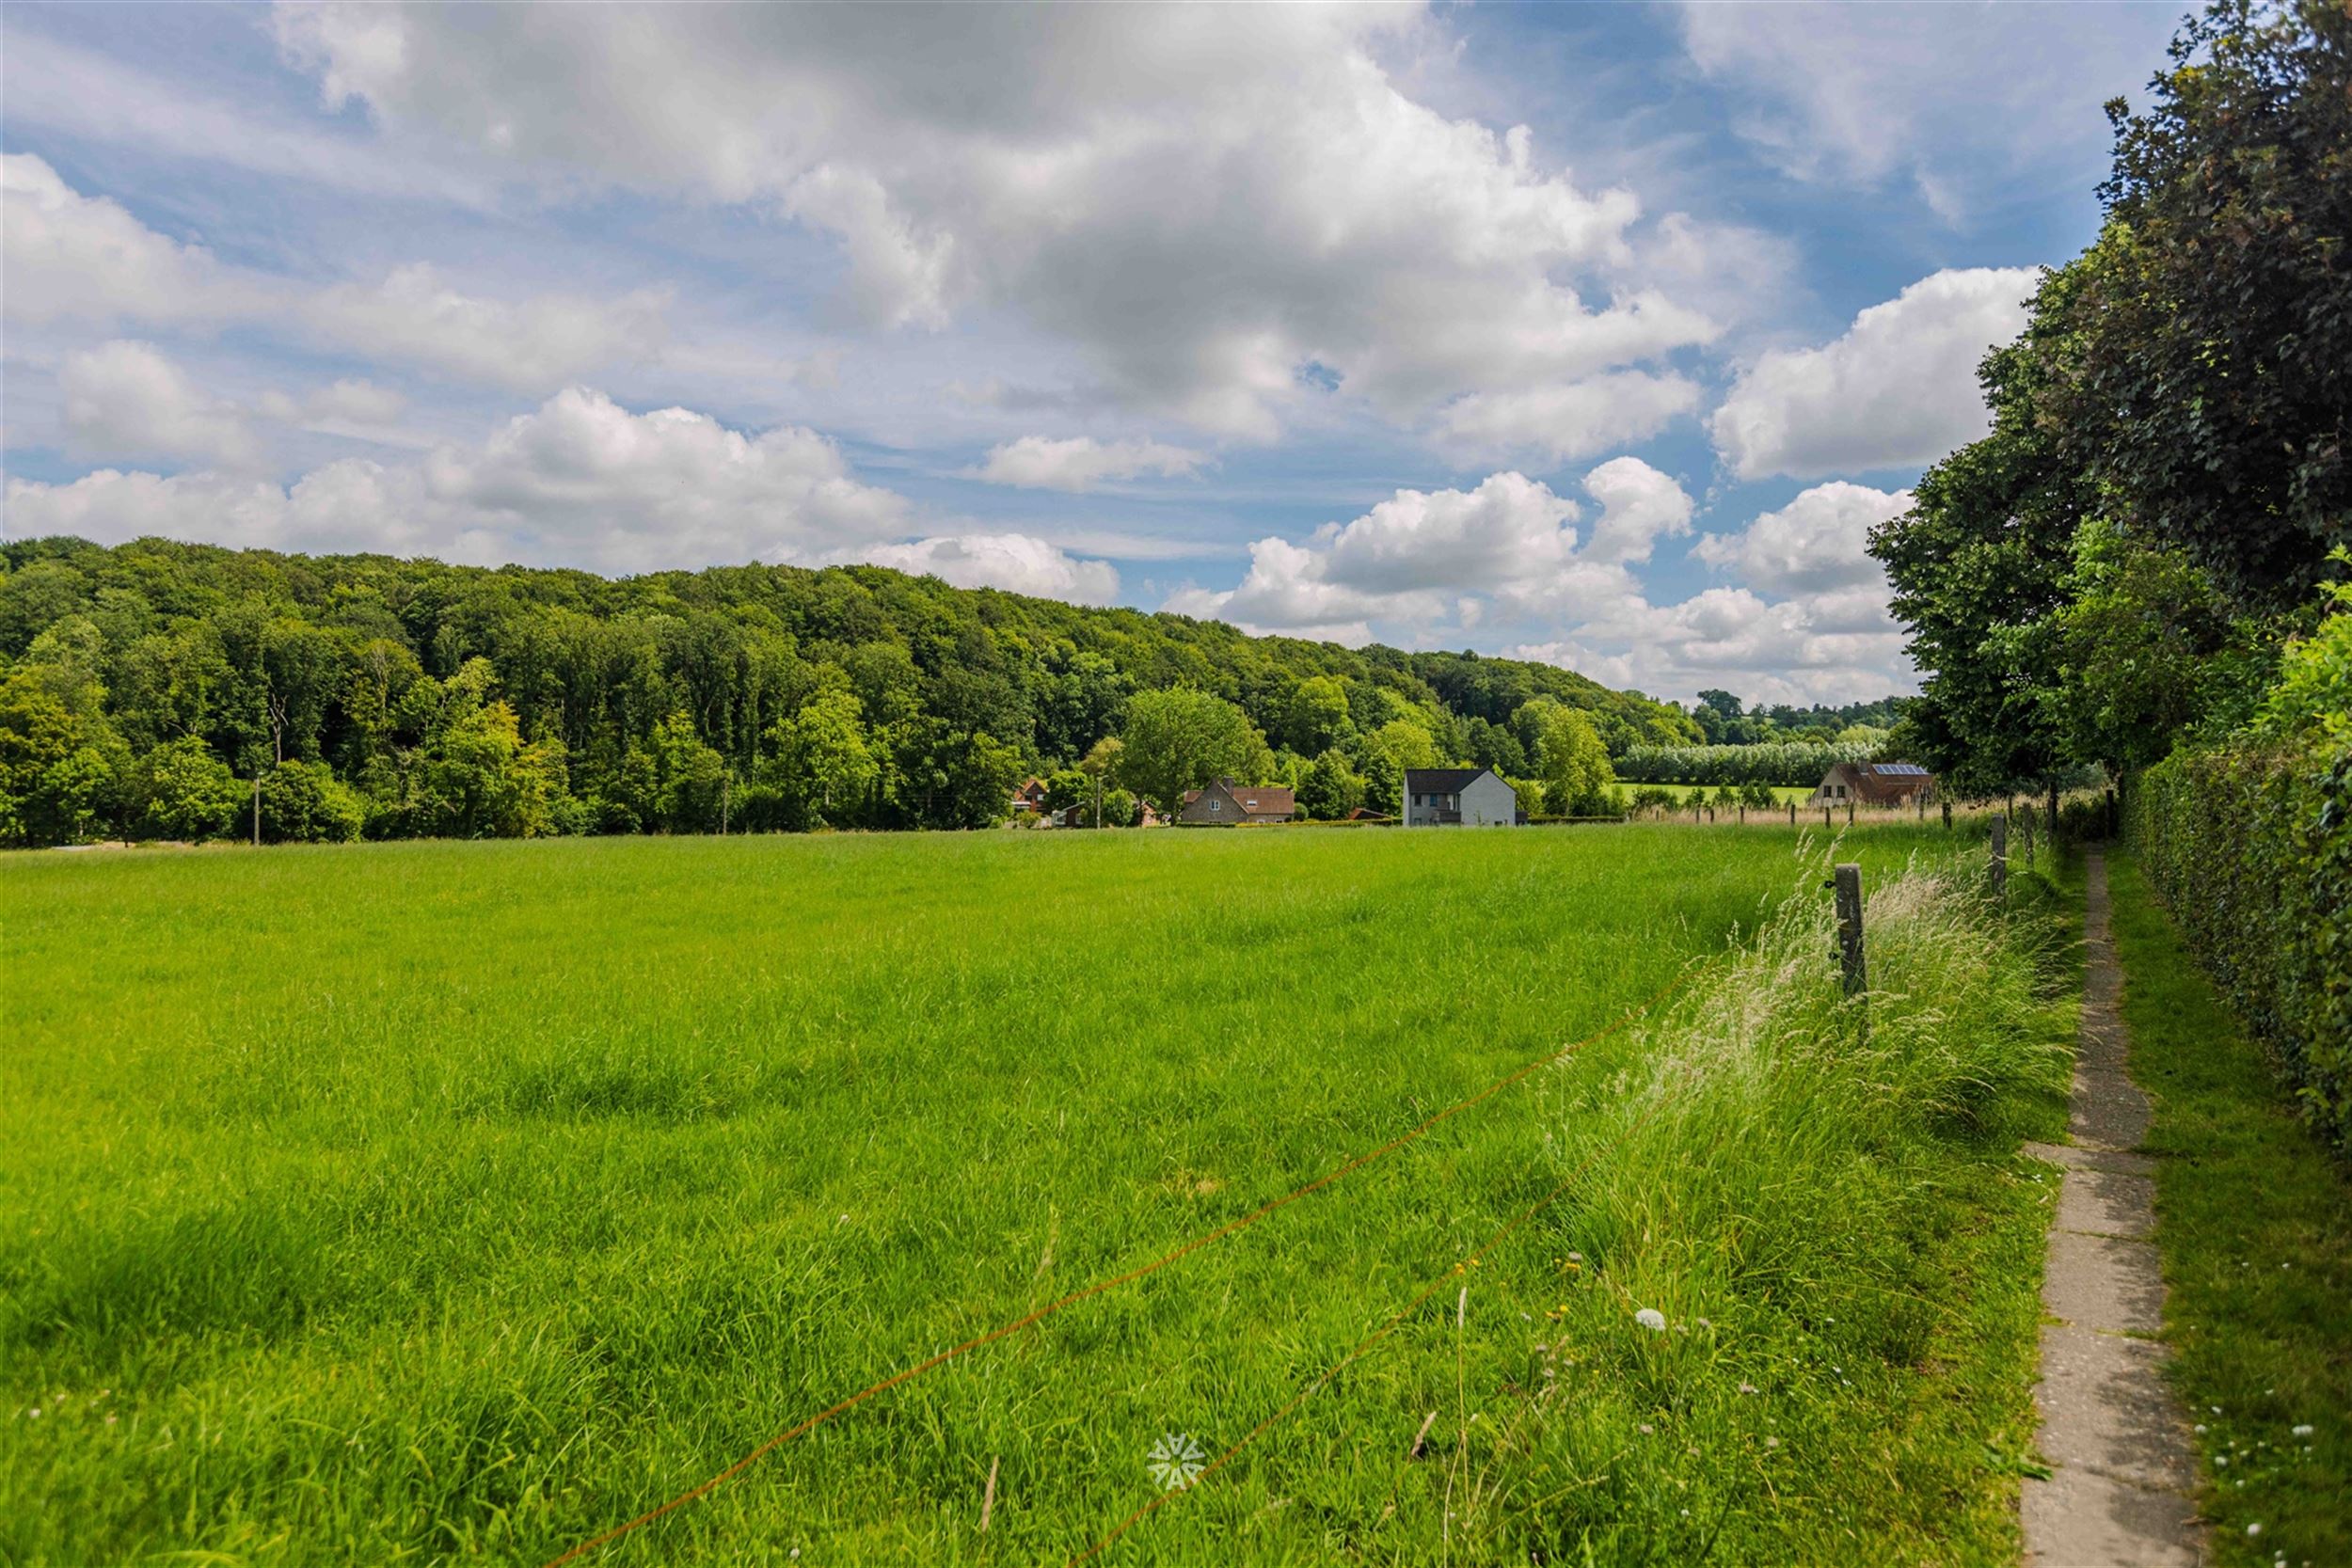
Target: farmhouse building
[(1874, 783), (1030, 799), (1227, 804), (1465, 796)]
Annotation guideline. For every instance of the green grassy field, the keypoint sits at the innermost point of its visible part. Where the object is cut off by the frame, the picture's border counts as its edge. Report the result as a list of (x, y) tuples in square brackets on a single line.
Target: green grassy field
[(438, 1201), (1783, 792)]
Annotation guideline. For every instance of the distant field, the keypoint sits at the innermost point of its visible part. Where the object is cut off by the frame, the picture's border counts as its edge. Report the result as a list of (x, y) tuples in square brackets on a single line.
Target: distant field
[(432, 1201)]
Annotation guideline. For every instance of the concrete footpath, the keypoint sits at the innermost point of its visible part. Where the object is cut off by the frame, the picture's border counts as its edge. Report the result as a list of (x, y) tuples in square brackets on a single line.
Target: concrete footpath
[(2122, 1492)]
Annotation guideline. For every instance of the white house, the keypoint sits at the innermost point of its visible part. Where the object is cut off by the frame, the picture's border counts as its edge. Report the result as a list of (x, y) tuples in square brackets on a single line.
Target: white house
[(1468, 797)]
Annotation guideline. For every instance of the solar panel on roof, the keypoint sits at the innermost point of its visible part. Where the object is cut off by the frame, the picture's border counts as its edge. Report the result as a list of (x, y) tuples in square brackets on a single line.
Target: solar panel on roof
[(1906, 770)]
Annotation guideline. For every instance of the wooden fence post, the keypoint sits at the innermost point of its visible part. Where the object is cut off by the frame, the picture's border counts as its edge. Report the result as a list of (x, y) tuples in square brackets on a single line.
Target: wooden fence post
[(1848, 814), (1948, 817), (2000, 855), (1824, 816), (1792, 814), (1852, 965)]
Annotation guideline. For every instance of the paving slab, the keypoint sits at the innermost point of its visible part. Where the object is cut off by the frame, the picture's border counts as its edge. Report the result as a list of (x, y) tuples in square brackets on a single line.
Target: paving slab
[(2107, 1407), (2107, 1203), (2104, 1282), (2109, 1109), (2080, 1519), (2076, 1157)]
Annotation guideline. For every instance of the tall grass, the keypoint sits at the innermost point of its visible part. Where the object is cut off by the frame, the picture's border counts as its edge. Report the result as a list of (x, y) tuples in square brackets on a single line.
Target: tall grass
[(439, 1202), (1820, 1199)]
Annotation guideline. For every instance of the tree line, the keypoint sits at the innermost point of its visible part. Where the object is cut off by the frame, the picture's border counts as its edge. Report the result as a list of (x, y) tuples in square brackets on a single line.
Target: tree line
[(2142, 564), (155, 690), (2119, 565)]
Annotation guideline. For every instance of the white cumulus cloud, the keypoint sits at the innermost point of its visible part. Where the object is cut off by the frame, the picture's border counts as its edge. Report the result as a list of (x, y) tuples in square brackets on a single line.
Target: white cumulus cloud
[(1818, 543), (1222, 208), (126, 398), (1422, 557), (1638, 506), (1019, 562), (414, 314), (68, 255), (1805, 621), (65, 255), (579, 481), (1897, 389), (1566, 421), (1731, 639), (1081, 463)]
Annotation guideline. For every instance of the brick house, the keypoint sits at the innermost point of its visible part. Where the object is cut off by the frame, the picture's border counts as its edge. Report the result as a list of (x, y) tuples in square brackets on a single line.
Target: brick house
[(1227, 804), (1873, 784)]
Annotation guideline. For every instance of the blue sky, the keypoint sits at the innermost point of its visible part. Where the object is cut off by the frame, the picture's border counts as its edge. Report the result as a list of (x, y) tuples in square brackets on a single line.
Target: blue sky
[(1600, 335)]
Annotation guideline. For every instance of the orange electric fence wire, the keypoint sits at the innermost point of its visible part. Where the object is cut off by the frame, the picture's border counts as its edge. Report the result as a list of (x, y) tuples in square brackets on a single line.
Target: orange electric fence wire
[(1174, 1254), (1364, 1344)]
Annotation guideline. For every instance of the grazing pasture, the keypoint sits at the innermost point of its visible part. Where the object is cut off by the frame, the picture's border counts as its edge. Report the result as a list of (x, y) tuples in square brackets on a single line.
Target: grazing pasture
[(430, 1201)]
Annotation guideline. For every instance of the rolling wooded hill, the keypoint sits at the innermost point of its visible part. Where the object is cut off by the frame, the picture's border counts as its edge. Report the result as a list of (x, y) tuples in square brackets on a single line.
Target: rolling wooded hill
[(471, 700)]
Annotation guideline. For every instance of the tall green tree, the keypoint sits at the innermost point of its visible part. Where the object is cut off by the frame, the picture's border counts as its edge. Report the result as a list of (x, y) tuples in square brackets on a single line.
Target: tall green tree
[(1978, 568), (823, 761), (181, 790), (2205, 378), (1181, 739), (1572, 759)]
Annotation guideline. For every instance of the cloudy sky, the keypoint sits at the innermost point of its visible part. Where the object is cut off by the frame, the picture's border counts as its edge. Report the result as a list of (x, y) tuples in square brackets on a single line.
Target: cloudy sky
[(1594, 335)]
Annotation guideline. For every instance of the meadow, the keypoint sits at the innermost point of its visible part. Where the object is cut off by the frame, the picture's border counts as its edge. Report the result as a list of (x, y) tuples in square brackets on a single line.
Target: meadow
[(440, 1201)]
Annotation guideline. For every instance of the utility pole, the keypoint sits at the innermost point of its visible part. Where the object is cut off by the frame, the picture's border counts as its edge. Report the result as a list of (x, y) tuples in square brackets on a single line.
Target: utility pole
[(257, 806)]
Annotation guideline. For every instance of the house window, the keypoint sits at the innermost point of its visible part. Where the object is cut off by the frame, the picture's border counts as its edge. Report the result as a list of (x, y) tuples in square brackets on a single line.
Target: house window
[(1215, 805)]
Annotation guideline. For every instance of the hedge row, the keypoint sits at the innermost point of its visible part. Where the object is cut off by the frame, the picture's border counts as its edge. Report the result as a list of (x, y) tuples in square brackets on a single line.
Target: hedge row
[(2251, 851), (1778, 762)]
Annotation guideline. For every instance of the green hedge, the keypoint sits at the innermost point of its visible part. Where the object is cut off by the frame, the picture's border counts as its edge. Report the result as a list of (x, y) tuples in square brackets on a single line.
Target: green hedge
[(1779, 762), (2251, 851)]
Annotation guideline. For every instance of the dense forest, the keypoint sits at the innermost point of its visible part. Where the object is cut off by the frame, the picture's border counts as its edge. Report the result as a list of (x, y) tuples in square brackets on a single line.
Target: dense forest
[(145, 688)]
